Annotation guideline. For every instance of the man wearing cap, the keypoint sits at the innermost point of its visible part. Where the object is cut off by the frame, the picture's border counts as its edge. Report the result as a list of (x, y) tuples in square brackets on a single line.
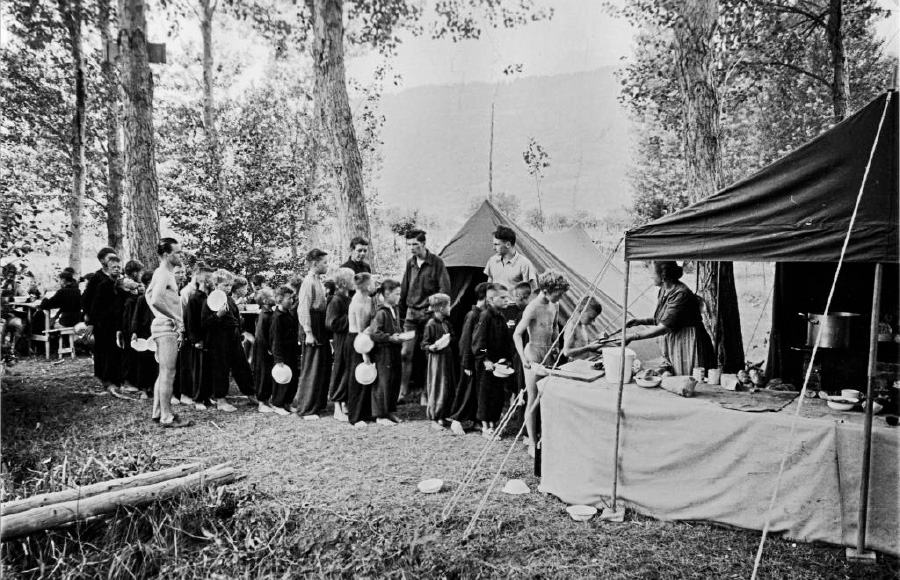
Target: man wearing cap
[(166, 330), (315, 362), (425, 275), (508, 266)]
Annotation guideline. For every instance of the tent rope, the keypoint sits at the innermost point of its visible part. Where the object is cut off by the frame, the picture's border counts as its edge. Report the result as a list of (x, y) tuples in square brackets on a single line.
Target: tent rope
[(758, 320), (815, 350), (482, 456)]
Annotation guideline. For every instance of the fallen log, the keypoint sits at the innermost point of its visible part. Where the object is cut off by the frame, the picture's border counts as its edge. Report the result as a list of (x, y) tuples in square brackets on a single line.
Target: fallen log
[(58, 514), (21, 505)]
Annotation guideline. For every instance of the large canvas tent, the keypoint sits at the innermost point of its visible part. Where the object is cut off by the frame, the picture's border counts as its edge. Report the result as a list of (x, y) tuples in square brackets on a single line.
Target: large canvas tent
[(582, 254), (797, 212), (467, 253)]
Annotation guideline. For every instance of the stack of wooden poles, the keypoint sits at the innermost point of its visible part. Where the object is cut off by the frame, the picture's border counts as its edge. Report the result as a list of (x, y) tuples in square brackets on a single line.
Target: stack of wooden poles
[(52, 510)]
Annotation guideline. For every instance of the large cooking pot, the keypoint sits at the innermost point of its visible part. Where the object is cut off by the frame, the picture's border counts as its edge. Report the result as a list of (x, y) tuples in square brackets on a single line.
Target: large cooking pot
[(834, 327)]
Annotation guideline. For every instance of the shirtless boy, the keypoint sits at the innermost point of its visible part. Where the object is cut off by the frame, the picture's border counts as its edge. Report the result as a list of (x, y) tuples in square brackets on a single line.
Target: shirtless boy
[(167, 329), (540, 320)]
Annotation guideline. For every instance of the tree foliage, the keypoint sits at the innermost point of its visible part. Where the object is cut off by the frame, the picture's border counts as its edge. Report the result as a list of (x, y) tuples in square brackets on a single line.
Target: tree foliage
[(268, 152), (772, 69)]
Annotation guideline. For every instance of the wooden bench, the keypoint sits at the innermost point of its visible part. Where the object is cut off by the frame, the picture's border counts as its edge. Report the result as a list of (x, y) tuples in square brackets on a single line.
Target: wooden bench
[(66, 337)]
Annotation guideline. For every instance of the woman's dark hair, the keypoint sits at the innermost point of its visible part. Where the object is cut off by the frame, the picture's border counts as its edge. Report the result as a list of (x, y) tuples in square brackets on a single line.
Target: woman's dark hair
[(669, 270), (387, 286)]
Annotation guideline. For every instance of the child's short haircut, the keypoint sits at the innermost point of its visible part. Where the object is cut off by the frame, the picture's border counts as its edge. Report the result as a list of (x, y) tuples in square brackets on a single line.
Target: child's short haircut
[(283, 291), (343, 279), (524, 288), (481, 290), (146, 277), (265, 297), (315, 255), (594, 305), (387, 285), (239, 282), (222, 276), (438, 301), (133, 267), (362, 279), (552, 281), (498, 287), (329, 286)]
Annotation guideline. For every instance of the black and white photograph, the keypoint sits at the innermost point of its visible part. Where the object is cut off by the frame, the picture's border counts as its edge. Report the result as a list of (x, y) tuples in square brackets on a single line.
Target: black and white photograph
[(450, 289)]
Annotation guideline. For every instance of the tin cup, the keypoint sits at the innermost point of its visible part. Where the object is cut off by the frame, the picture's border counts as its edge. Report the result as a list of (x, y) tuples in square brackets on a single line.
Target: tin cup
[(713, 376), (699, 373)]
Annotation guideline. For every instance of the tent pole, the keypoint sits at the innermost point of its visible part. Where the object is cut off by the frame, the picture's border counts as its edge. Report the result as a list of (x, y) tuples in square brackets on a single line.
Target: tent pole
[(614, 513), (860, 553)]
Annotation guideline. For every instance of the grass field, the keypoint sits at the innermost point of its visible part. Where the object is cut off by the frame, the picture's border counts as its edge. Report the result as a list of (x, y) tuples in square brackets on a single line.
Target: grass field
[(320, 499)]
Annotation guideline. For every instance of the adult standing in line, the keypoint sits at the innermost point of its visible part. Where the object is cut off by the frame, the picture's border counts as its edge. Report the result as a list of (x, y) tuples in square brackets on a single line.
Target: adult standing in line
[(90, 289), (167, 330), (359, 249), (677, 321), (508, 266), (315, 362), (106, 317), (425, 275)]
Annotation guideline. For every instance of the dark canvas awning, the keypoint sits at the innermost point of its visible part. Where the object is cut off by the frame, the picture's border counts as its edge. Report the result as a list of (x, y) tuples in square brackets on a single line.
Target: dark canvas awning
[(798, 208)]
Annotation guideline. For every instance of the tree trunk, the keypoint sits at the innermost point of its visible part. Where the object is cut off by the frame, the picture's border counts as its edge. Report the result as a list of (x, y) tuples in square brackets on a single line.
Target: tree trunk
[(72, 14), (114, 229), (208, 10), (840, 84), (335, 119), (140, 150), (694, 32)]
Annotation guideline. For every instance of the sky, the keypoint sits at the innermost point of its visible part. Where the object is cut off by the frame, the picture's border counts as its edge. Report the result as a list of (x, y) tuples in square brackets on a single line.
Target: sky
[(581, 36)]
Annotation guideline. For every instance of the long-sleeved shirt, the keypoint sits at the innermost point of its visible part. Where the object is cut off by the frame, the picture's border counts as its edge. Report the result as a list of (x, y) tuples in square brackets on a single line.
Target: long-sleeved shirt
[(105, 304), (357, 267), (491, 340), (90, 291), (420, 282), (68, 300), (384, 325), (312, 297), (434, 330), (284, 335), (337, 315), (193, 322), (466, 354)]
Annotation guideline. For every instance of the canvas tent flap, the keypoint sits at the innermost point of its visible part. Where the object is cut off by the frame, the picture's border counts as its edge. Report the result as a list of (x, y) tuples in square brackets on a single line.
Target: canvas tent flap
[(798, 208), (585, 257), (467, 253)]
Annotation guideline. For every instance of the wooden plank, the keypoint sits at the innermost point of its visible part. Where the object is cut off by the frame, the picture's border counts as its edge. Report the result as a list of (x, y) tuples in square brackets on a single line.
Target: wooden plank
[(21, 505), (55, 515)]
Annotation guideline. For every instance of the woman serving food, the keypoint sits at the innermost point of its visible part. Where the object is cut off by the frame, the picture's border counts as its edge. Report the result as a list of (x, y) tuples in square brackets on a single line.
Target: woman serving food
[(677, 322)]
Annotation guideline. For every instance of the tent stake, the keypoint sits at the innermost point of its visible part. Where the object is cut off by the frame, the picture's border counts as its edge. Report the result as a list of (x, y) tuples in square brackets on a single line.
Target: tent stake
[(860, 554), (615, 513)]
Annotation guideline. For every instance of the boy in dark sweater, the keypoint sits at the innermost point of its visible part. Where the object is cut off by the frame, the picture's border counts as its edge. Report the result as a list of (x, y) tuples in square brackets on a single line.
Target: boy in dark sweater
[(492, 344), (284, 334)]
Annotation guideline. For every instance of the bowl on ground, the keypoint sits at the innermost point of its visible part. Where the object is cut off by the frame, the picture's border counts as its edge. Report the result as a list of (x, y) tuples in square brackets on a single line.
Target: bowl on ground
[(581, 513), (431, 485)]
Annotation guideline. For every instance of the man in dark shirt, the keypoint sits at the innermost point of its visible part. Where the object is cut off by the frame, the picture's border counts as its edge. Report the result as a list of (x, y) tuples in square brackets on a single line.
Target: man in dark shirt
[(359, 248), (425, 275), (105, 316), (90, 290)]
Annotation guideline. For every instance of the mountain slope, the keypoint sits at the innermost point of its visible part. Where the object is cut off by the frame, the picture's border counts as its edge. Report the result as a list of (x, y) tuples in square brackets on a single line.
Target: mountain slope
[(437, 139)]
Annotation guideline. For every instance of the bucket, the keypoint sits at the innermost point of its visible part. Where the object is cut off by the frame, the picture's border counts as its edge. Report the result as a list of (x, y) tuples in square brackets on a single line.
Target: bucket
[(611, 359)]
